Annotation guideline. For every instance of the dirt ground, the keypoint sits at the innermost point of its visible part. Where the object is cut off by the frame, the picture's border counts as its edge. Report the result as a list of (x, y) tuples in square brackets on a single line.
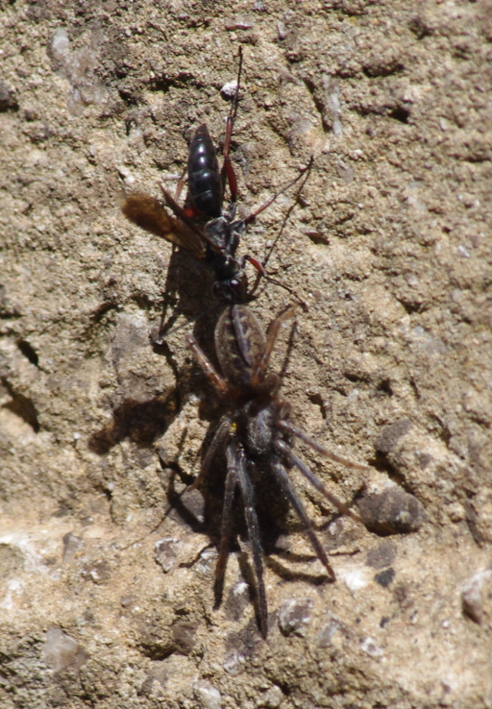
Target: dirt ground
[(390, 364)]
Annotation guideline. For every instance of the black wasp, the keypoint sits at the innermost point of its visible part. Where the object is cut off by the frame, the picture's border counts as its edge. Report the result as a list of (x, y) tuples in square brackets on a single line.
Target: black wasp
[(202, 226), (256, 435)]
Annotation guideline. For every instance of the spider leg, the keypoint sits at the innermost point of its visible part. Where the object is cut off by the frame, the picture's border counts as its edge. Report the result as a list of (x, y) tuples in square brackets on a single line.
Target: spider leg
[(289, 428), (290, 492), (271, 338), (220, 437), (225, 528), (288, 453), (217, 379), (236, 460)]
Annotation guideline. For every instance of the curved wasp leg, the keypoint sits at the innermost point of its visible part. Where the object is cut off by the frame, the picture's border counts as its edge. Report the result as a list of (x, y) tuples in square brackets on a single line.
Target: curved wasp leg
[(239, 226), (180, 185), (227, 169), (263, 274), (290, 492), (302, 173), (306, 172), (236, 461)]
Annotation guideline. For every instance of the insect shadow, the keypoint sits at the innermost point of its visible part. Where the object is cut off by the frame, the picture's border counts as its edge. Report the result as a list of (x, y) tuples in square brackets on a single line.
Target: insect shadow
[(142, 422)]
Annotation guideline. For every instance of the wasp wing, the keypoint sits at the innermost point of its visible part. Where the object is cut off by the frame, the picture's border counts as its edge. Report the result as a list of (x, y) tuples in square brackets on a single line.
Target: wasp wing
[(189, 221), (148, 213)]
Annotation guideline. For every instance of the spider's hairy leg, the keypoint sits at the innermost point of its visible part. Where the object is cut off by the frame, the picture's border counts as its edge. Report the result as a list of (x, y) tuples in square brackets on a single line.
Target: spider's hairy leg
[(217, 379), (290, 492), (222, 435), (236, 460), (289, 455), (271, 338), (289, 428), (225, 527)]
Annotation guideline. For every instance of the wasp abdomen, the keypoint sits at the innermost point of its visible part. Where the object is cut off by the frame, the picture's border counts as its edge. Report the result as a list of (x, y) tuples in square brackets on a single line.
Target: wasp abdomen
[(204, 179)]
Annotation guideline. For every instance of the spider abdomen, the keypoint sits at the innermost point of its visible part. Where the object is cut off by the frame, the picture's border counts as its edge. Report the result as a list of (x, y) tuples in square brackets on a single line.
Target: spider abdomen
[(240, 344)]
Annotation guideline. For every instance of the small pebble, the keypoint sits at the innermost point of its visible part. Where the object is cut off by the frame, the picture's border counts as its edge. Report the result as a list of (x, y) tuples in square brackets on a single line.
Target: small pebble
[(294, 616)]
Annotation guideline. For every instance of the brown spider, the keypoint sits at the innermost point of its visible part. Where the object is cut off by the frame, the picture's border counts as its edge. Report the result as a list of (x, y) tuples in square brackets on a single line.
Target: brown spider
[(255, 432)]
